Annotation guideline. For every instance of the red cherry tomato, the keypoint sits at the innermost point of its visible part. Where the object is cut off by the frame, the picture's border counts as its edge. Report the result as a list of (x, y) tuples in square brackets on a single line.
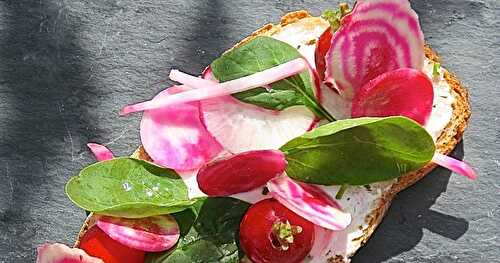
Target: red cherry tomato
[(322, 47), (270, 232), (98, 244)]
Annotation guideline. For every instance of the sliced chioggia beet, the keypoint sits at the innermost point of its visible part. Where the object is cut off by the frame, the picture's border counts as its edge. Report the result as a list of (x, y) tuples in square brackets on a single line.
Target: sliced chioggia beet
[(175, 137), (150, 234), (203, 90), (101, 152), (59, 253), (402, 92), (376, 37), (241, 127), (310, 202), (240, 173), (454, 165)]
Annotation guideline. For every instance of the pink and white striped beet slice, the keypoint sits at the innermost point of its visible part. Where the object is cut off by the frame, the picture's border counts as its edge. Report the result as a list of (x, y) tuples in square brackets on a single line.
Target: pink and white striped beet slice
[(454, 165), (401, 92), (241, 127), (175, 137), (378, 36), (150, 234), (310, 202), (59, 253), (101, 152), (241, 172)]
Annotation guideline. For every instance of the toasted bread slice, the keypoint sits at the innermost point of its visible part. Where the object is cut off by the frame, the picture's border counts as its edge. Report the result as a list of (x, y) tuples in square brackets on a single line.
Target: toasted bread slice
[(446, 141)]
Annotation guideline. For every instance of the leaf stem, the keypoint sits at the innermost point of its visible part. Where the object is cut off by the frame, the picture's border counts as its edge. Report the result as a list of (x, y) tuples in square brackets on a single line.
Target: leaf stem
[(341, 192)]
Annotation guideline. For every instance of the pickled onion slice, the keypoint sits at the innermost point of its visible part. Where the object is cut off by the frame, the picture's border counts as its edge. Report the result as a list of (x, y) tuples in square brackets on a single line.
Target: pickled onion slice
[(59, 253), (377, 37), (101, 152), (175, 137), (150, 234), (310, 202), (454, 165), (240, 173), (402, 92), (203, 91)]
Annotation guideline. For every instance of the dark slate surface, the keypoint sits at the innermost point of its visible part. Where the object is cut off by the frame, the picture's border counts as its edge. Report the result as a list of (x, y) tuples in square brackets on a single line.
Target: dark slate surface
[(66, 68)]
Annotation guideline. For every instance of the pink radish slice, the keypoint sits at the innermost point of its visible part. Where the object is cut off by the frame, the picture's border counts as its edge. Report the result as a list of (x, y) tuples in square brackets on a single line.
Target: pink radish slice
[(402, 92), (150, 234), (203, 90), (59, 253), (175, 136), (377, 37), (241, 127), (310, 202), (454, 165), (101, 152), (240, 173)]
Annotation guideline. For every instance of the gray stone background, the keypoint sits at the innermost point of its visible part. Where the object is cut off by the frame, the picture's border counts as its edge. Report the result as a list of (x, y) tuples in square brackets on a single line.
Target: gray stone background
[(67, 67)]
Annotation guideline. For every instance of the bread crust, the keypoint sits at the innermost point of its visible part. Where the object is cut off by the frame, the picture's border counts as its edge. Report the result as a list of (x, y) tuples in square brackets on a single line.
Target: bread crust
[(446, 142)]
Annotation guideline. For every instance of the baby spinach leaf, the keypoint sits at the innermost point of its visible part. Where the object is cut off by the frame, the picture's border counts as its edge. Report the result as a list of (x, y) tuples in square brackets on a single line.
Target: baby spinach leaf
[(127, 187), (213, 236), (260, 54), (359, 151)]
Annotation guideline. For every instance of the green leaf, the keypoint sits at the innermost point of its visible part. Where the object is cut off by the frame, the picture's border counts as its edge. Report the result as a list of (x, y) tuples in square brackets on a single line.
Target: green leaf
[(258, 55), (127, 187), (359, 151), (213, 237)]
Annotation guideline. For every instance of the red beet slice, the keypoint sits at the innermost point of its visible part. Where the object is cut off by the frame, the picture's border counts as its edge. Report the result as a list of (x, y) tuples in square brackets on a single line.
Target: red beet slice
[(151, 234), (377, 37), (241, 173), (402, 92)]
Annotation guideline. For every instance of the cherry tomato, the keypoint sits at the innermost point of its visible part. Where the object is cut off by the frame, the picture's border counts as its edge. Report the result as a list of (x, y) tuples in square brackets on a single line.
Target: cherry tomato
[(98, 244), (270, 232)]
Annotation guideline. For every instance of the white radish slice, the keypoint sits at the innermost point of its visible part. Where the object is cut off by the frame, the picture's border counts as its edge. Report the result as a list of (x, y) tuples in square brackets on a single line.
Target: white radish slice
[(241, 127), (310, 202), (59, 253), (175, 137), (150, 234), (101, 152), (378, 36)]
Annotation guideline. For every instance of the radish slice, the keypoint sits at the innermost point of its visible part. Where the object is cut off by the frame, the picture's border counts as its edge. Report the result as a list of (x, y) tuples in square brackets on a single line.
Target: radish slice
[(59, 253), (241, 173), (377, 37), (101, 152), (175, 136), (402, 92), (203, 90), (241, 127), (310, 202), (454, 165), (150, 234)]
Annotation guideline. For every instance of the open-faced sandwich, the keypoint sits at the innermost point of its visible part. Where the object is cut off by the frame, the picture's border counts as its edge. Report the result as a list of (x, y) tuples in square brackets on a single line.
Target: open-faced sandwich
[(288, 148)]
